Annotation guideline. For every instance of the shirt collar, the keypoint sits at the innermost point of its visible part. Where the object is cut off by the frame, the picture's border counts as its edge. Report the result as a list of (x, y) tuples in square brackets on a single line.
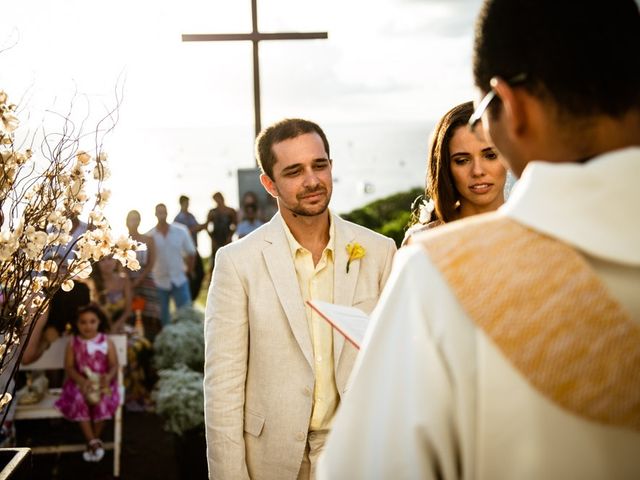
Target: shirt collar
[(295, 246), (591, 206)]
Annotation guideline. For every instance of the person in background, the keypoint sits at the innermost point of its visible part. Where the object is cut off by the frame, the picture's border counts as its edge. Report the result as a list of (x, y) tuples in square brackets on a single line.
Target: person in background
[(250, 220), (465, 175), (112, 292), (64, 305), (90, 393), (221, 223), (507, 345), (174, 262), (186, 218), (145, 293)]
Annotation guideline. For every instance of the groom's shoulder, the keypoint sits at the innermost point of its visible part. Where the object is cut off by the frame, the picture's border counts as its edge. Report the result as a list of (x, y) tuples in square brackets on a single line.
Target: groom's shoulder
[(251, 243)]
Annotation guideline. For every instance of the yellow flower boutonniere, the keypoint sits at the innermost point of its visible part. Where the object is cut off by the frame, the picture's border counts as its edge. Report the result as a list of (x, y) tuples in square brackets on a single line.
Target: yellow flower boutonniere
[(355, 251)]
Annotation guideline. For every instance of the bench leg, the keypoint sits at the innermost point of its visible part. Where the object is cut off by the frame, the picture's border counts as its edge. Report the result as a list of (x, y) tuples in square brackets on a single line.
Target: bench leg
[(117, 441)]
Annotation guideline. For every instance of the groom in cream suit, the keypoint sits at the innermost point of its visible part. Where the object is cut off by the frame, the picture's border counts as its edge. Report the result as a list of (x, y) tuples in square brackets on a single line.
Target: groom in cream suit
[(275, 371)]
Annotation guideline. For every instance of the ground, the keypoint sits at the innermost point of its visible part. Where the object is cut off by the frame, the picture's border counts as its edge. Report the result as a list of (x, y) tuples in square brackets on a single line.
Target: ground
[(148, 452)]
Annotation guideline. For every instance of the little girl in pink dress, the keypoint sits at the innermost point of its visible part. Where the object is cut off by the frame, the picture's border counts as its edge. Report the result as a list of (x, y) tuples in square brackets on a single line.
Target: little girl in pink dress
[(90, 393)]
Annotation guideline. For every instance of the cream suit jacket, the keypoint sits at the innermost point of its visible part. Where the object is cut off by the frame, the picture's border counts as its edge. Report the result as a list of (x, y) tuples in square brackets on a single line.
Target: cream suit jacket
[(259, 369)]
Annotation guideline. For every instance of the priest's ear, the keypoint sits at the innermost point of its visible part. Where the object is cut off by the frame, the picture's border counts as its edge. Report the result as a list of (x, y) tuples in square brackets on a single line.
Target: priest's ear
[(519, 107), (268, 185)]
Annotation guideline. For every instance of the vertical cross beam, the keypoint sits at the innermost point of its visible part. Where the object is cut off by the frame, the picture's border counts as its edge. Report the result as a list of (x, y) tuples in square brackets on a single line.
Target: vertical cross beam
[(254, 37)]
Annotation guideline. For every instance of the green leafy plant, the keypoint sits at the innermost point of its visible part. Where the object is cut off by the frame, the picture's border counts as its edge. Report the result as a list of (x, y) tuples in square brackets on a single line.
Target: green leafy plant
[(388, 216)]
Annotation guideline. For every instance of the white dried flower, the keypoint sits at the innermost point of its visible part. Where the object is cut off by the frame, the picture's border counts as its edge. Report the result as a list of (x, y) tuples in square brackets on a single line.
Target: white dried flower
[(133, 264), (54, 217), (50, 266), (9, 122), (105, 194), (82, 196), (83, 157), (76, 187), (67, 225), (37, 302), (101, 172), (67, 285), (38, 283), (81, 269), (96, 215), (5, 399), (124, 242)]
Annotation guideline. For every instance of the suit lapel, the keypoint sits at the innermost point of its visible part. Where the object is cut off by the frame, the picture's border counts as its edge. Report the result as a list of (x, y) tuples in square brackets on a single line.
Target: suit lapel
[(344, 285), (277, 257)]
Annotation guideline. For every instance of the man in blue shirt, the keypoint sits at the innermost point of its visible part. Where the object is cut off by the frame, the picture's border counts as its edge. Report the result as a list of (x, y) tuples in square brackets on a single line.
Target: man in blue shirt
[(186, 218)]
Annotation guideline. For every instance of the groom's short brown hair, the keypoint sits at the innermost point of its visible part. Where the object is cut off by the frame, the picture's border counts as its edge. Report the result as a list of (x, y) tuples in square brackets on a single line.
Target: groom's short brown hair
[(279, 132)]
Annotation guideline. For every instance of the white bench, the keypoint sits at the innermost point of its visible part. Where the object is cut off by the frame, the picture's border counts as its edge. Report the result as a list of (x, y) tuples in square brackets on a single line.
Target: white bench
[(53, 359)]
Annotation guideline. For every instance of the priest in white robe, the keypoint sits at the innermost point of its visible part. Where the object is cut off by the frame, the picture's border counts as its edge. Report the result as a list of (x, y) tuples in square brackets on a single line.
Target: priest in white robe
[(507, 346)]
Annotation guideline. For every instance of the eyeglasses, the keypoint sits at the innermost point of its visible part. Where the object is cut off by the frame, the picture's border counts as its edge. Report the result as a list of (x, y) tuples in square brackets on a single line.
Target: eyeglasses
[(488, 98)]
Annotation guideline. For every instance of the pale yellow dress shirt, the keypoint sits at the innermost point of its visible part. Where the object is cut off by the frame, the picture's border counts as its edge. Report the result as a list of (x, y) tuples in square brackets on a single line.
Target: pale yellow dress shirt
[(316, 283)]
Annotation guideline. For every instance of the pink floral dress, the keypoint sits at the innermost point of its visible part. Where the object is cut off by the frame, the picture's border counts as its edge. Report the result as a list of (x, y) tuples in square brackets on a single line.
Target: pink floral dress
[(93, 354)]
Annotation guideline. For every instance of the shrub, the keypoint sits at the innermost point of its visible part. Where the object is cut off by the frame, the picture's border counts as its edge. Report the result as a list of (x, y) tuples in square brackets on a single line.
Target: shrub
[(179, 397), (388, 216), (181, 342)]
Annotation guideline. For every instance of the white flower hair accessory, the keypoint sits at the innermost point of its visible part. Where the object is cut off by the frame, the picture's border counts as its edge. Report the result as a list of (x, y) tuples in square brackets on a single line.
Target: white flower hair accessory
[(425, 209)]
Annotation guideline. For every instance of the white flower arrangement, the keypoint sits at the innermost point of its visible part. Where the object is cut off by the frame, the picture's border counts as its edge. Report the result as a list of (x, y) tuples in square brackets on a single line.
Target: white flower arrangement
[(179, 398), (41, 193), (179, 357), (181, 342)]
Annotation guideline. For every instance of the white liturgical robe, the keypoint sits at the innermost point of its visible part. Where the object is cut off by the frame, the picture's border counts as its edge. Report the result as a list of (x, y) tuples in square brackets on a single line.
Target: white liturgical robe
[(513, 352)]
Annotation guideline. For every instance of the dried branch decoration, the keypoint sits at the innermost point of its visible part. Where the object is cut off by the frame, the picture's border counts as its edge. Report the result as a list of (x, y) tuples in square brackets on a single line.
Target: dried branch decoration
[(41, 197)]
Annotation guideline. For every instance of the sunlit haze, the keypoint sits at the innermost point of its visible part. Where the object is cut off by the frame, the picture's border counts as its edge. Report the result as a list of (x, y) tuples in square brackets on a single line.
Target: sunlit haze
[(386, 63)]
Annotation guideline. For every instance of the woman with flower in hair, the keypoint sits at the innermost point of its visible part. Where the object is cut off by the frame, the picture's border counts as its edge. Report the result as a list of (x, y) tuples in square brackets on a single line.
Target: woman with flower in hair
[(145, 293), (113, 292), (465, 176)]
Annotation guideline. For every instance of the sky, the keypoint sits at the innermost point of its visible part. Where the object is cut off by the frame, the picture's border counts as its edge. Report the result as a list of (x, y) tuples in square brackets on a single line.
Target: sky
[(384, 62)]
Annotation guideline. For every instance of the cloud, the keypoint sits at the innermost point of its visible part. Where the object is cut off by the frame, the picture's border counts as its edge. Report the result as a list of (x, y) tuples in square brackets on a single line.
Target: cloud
[(432, 18)]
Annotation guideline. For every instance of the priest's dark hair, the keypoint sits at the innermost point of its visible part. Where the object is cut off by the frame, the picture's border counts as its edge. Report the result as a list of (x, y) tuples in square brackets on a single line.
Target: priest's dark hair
[(582, 56), (279, 132)]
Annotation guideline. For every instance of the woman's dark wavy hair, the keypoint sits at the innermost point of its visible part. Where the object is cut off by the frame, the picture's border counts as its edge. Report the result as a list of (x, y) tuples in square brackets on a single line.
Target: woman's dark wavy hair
[(103, 325), (583, 56), (440, 186)]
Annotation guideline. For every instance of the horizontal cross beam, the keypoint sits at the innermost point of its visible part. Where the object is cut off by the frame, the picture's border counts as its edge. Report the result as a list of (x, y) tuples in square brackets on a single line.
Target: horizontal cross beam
[(254, 37)]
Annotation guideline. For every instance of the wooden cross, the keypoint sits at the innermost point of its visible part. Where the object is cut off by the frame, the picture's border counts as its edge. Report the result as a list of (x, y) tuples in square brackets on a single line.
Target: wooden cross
[(255, 36)]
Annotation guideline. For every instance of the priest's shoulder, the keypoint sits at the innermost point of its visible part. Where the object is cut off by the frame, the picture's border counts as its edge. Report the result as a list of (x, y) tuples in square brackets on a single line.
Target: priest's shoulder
[(477, 232)]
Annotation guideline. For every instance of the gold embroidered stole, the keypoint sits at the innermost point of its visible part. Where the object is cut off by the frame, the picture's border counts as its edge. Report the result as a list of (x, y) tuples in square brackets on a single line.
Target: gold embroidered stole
[(548, 312)]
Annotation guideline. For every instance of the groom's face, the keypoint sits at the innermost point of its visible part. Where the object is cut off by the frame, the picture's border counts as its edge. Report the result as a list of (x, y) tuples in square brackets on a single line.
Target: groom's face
[(301, 175)]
